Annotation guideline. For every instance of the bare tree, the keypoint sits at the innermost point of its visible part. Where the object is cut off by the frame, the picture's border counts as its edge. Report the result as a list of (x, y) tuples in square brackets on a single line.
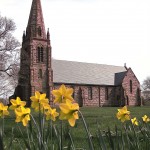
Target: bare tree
[(9, 56), (146, 90), (146, 84)]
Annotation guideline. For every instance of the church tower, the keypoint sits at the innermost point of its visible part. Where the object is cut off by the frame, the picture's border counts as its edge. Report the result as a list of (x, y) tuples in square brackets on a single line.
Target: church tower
[(35, 60)]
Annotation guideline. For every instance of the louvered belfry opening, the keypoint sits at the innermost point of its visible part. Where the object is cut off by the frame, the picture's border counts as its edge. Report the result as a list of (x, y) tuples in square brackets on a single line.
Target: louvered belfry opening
[(40, 54)]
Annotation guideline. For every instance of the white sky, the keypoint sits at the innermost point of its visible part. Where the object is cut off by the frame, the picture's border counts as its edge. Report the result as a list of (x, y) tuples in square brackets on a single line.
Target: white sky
[(110, 32)]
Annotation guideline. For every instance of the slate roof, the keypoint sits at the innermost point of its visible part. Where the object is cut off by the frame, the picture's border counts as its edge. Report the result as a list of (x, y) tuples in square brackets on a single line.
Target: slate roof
[(86, 73), (119, 77)]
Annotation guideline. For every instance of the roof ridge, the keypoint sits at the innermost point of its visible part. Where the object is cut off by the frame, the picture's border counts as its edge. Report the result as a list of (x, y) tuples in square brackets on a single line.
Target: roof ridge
[(85, 73), (93, 63)]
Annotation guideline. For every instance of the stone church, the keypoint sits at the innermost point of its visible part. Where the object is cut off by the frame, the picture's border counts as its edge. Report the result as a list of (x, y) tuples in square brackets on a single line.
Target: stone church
[(94, 84)]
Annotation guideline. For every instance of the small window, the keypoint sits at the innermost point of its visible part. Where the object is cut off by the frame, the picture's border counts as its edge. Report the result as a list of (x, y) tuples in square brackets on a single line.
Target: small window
[(73, 91), (127, 100), (40, 73), (106, 93), (130, 86), (39, 31), (40, 54), (90, 93)]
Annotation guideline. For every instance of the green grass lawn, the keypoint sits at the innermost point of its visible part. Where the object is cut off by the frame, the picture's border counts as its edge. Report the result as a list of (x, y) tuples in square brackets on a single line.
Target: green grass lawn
[(105, 117), (94, 116)]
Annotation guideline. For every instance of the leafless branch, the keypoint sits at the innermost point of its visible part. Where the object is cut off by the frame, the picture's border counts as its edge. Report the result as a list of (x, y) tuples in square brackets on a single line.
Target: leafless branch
[(9, 56)]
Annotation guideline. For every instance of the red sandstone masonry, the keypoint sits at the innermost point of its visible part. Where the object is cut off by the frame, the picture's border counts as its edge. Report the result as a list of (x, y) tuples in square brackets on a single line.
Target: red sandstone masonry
[(98, 95), (132, 97)]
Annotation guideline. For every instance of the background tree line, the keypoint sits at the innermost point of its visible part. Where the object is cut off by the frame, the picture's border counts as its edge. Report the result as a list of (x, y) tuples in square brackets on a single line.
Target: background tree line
[(146, 91), (9, 57)]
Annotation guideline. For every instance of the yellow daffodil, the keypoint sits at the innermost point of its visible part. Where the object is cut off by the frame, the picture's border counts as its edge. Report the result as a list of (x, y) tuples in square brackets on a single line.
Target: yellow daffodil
[(69, 111), (51, 114), (62, 94), (22, 115), (146, 119), (123, 114), (134, 121), (39, 101), (3, 110), (16, 103)]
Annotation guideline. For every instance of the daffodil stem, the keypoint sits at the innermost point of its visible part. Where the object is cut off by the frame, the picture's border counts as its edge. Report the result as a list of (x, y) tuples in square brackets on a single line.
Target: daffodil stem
[(51, 132), (43, 125), (2, 127), (28, 135), (73, 147), (37, 127), (2, 133), (40, 126), (61, 138), (87, 131)]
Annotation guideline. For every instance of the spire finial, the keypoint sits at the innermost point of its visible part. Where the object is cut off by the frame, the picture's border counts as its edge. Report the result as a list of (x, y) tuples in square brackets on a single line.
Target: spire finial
[(48, 34), (125, 65)]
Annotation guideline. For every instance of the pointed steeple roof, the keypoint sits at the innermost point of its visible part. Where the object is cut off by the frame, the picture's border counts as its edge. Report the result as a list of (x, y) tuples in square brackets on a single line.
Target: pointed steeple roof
[(36, 27)]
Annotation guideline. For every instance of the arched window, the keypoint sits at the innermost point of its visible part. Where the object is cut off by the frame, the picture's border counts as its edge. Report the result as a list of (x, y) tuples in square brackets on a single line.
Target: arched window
[(130, 86), (40, 73), (106, 93), (127, 100), (90, 93), (40, 54), (39, 31)]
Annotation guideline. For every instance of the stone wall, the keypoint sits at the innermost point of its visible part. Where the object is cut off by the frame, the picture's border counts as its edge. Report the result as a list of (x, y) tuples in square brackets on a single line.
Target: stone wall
[(101, 95), (131, 88)]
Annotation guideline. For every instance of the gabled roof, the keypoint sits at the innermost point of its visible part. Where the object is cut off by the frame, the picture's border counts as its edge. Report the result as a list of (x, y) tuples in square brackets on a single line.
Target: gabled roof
[(119, 77), (86, 73)]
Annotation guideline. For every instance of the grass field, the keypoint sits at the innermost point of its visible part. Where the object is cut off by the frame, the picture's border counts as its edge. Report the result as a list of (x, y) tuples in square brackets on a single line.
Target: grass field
[(94, 116), (106, 117)]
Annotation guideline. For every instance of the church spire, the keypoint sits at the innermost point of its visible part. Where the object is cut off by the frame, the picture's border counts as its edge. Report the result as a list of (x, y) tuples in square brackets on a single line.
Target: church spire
[(35, 72), (36, 27)]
